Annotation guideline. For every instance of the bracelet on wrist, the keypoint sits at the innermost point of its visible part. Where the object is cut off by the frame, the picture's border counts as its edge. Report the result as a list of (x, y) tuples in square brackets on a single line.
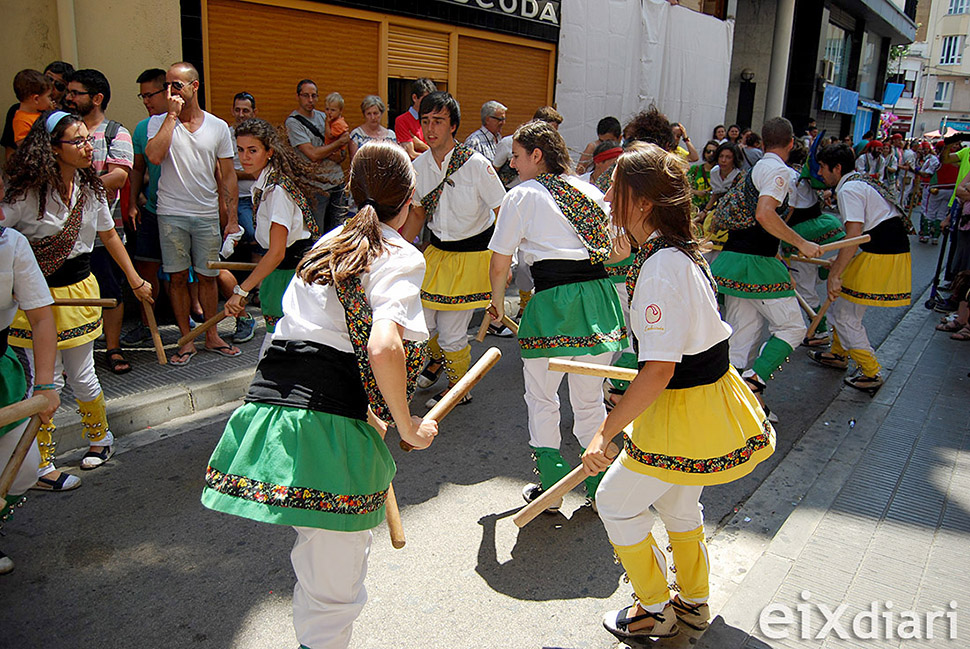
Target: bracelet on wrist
[(136, 288), (44, 386)]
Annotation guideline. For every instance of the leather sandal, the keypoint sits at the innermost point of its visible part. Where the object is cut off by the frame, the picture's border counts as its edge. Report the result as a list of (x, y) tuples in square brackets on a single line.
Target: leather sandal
[(828, 359), (113, 362)]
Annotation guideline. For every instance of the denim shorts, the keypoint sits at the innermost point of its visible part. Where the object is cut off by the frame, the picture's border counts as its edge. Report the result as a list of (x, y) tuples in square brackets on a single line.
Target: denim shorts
[(189, 241)]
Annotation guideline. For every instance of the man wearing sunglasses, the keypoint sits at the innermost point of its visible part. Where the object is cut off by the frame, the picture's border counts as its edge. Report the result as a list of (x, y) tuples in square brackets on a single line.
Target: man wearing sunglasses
[(59, 73), (194, 149)]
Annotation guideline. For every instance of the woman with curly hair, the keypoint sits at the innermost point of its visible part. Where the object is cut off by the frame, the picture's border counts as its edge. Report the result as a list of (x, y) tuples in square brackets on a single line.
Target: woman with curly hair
[(559, 224), (694, 421), (56, 200), (282, 217)]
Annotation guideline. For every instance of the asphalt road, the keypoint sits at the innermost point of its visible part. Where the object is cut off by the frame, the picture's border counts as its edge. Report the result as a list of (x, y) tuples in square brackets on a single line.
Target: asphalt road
[(132, 559)]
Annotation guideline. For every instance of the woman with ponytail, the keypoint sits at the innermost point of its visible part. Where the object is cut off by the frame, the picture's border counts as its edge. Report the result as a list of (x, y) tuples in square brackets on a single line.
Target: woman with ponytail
[(307, 448), (282, 217), (55, 199), (694, 420)]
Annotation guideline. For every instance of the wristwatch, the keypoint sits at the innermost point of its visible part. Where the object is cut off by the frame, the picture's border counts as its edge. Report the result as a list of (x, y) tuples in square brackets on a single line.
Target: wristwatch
[(237, 290)]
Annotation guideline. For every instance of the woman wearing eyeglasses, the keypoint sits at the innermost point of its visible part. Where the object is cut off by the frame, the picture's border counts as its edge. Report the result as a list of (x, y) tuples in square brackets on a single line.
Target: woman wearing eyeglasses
[(55, 199)]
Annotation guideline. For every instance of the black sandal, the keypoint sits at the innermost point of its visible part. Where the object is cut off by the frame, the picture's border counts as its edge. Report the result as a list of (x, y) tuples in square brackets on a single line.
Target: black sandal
[(113, 363)]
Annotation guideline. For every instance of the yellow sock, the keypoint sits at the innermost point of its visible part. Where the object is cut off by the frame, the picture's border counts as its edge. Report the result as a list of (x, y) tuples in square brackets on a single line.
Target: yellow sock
[(434, 349), (46, 444), (457, 363), (646, 567), (836, 347), (866, 360), (691, 564)]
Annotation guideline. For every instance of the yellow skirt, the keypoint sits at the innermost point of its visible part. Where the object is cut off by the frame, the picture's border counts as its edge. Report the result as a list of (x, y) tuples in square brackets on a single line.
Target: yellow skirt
[(706, 435), (76, 325), (456, 281), (878, 280), (716, 237)]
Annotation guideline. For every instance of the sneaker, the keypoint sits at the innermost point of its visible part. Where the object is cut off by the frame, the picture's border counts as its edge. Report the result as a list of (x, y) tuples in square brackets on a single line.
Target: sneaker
[(532, 491), (499, 330), (136, 335), (245, 329), (6, 564), (428, 376), (433, 401)]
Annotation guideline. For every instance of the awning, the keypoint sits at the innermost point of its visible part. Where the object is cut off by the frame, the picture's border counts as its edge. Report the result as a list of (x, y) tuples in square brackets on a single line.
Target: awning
[(840, 100)]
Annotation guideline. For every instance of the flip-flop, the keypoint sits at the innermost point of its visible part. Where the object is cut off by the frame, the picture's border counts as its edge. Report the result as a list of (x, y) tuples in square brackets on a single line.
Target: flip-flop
[(182, 358), (224, 350)]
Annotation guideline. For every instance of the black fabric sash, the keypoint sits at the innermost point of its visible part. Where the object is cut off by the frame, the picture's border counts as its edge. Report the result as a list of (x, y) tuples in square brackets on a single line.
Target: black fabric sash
[(752, 241), (887, 238), (294, 254), (308, 375), (699, 369), (3, 341), (71, 271), (802, 214), (476, 243), (550, 273)]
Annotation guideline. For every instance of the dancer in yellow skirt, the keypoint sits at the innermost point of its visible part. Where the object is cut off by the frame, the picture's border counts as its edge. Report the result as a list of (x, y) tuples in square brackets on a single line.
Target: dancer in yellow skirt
[(458, 194), (695, 422), (880, 275), (56, 200)]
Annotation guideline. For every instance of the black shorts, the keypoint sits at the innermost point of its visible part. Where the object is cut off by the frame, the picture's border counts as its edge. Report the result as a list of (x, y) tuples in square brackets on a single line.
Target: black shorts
[(111, 280), (147, 244)]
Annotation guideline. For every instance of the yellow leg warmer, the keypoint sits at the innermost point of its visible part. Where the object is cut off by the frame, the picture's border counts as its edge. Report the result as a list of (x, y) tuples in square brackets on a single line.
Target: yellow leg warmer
[(457, 363), (94, 419), (524, 297), (646, 568), (866, 360), (46, 444), (435, 349), (691, 564), (837, 347)]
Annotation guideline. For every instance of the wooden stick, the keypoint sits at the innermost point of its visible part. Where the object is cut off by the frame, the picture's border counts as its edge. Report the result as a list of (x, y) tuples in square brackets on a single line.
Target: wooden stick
[(156, 337), (482, 330), (511, 324), (818, 318), (69, 301), (805, 306), (19, 453), (230, 265), (816, 261), (592, 369), (202, 328), (844, 243), (463, 387), (552, 495), (23, 409), (393, 514)]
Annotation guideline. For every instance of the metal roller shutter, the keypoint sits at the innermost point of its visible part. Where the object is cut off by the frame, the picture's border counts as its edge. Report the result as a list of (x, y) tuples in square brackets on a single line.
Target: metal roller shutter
[(413, 53)]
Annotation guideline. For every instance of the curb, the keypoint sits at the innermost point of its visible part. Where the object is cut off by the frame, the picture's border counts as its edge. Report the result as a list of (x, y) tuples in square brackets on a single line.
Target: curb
[(760, 543), (134, 413)]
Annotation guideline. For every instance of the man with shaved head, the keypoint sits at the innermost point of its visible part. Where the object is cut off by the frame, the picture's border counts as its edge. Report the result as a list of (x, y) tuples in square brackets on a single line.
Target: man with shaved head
[(194, 149)]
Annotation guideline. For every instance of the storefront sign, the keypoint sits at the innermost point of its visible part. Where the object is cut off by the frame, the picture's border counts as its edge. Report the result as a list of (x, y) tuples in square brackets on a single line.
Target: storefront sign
[(547, 11)]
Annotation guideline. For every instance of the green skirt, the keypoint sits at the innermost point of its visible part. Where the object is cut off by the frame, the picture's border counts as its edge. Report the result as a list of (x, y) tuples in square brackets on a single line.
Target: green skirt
[(618, 271), (13, 385), (271, 296), (823, 229), (751, 276), (291, 466), (573, 320)]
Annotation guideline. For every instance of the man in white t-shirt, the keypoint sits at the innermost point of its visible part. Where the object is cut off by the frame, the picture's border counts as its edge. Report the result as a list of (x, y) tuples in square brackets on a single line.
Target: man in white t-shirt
[(194, 149)]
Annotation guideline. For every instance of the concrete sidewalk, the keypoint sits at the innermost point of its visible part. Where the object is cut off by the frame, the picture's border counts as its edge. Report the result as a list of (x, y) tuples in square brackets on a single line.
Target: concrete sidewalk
[(869, 514)]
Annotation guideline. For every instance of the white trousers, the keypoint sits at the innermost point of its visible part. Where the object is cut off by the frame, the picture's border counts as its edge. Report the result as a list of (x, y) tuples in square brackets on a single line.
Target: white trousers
[(846, 318), (805, 277), (542, 400), (747, 318), (78, 364), (329, 594), (451, 327), (624, 498), (523, 275), (27, 475)]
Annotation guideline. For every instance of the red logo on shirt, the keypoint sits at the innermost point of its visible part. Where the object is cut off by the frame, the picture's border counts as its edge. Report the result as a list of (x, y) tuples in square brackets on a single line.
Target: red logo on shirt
[(652, 314)]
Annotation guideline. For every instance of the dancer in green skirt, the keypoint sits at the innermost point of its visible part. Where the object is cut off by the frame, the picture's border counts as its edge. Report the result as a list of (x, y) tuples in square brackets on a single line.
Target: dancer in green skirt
[(305, 449)]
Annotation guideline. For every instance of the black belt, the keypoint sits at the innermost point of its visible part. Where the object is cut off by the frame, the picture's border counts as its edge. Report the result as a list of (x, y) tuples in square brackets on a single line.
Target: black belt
[(477, 243), (699, 369), (550, 273), (71, 271), (752, 241), (802, 214), (887, 238), (3, 341), (294, 254), (311, 376)]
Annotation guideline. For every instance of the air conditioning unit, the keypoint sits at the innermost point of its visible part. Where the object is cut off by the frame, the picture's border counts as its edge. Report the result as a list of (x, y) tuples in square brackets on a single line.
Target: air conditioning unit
[(828, 71)]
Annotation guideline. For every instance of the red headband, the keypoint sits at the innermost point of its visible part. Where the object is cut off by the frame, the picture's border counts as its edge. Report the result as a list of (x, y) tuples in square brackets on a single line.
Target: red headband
[(609, 154)]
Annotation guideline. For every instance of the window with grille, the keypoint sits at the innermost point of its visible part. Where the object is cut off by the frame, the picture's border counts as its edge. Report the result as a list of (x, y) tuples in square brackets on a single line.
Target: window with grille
[(944, 91), (959, 6), (952, 52)]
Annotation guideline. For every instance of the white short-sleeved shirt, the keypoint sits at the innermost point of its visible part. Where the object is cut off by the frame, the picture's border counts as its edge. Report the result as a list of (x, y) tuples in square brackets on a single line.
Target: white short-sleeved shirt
[(674, 311), (392, 287), (530, 220), (860, 203), (22, 284), (276, 206), (802, 194), (22, 216), (464, 209), (930, 165), (719, 185), (187, 186), (771, 177)]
